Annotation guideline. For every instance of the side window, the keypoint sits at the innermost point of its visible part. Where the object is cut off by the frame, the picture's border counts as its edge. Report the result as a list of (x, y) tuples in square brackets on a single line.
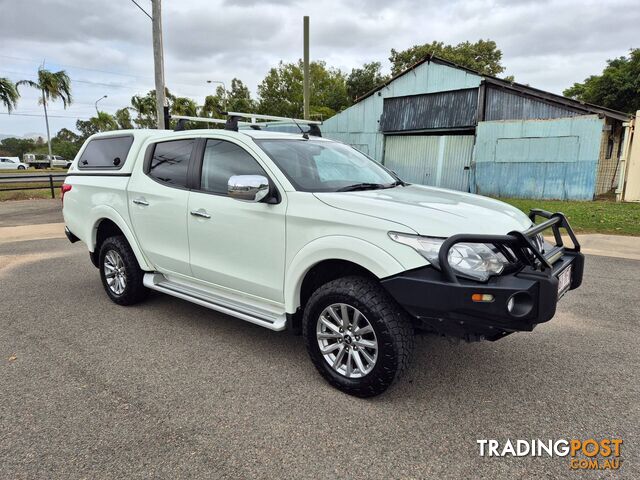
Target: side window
[(170, 162), (108, 152), (221, 161)]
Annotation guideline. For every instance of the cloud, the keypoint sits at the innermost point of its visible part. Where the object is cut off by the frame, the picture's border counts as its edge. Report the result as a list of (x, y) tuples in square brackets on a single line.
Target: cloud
[(106, 45)]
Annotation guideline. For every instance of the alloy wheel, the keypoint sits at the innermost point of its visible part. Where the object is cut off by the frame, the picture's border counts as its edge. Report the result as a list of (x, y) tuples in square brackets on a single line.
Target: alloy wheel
[(347, 340), (115, 272)]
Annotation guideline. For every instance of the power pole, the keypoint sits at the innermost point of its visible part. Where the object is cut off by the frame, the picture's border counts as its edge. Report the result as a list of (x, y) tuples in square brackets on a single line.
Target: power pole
[(158, 61), (46, 119), (305, 94)]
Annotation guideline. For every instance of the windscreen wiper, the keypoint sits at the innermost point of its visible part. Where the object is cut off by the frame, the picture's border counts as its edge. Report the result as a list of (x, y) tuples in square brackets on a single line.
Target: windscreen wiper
[(361, 186)]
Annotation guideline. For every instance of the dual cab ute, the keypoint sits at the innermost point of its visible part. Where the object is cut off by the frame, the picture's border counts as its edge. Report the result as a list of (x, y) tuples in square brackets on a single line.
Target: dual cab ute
[(296, 231)]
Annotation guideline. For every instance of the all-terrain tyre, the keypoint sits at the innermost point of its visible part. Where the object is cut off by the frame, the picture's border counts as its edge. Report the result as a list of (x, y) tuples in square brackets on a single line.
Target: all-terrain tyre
[(357, 336), (120, 273)]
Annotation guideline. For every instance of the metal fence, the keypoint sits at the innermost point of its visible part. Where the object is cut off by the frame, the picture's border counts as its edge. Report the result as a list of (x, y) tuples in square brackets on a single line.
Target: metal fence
[(49, 182)]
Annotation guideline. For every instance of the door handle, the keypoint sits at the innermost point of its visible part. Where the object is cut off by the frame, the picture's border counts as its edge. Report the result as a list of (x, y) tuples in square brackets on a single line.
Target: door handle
[(201, 212), (141, 201)]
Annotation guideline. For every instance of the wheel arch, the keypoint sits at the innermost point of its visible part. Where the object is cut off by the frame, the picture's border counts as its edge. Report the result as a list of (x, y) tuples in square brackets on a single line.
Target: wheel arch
[(107, 223), (332, 257)]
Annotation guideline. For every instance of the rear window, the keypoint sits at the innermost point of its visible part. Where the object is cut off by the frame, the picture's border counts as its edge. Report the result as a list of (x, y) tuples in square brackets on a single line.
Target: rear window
[(108, 152)]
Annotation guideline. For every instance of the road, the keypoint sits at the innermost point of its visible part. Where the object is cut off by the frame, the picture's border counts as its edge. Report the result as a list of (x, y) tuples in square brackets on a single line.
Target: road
[(168, 389)]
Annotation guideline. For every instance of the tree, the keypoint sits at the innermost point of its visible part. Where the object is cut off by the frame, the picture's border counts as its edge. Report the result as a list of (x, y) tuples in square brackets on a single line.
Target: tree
[(66, 135), (102, 122), (183, 106), (365, 79), (123, 118), (482, 56), (145, 108), (618, 87), (17, 147), (53, 86), (281, 90), (8, 94)]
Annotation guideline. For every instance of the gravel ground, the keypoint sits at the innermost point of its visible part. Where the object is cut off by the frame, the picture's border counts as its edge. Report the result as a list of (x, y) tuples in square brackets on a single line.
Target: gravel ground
[(168, 389)]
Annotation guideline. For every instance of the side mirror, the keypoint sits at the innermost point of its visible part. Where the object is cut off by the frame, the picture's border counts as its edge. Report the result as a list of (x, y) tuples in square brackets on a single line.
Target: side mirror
[(251, 188)]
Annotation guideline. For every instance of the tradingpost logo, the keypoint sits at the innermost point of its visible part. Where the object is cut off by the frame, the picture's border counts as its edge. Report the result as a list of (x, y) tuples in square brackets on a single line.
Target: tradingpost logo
[(584, 454)]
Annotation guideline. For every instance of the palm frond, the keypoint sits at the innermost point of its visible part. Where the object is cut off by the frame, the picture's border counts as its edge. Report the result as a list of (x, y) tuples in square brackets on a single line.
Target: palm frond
[(9, 94)]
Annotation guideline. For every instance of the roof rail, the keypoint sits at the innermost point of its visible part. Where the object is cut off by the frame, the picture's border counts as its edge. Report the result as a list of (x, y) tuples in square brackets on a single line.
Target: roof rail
[(232, 121), (259, 116)]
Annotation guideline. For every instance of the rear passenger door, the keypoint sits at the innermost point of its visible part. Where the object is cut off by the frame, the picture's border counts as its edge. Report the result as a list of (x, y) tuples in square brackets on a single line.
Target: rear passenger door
[(158, 196), (235, 244)]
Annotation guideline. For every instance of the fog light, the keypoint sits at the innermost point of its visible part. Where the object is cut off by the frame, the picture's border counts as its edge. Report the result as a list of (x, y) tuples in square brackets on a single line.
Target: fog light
[(482, 297), (520, 304)]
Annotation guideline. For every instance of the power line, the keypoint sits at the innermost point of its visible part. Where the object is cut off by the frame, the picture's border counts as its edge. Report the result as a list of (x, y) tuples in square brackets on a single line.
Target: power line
[(33, 60), (143, 10), (39, 115)]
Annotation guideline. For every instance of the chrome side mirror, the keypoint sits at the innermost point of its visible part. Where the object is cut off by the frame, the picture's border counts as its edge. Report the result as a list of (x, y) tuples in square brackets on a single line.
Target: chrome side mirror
[(251, 188)]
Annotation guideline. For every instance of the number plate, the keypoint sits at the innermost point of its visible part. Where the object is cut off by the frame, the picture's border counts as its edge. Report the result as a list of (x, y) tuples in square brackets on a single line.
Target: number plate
[(564, 281)]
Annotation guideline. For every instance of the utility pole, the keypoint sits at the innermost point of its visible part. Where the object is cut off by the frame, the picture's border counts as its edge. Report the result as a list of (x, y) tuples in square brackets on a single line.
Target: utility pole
[(158, 61), (305, 94), (46, 119)]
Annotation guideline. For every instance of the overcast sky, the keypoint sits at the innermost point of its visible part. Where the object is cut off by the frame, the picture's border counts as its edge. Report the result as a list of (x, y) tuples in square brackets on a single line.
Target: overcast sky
[(105, 46)]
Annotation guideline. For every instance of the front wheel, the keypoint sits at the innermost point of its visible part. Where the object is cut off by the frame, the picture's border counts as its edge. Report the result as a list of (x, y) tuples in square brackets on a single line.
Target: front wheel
[(20, 167), (358, 338)]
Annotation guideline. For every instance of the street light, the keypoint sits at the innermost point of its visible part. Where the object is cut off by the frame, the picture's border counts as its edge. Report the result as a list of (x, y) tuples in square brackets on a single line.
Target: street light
[(96, 102), (225, 91)]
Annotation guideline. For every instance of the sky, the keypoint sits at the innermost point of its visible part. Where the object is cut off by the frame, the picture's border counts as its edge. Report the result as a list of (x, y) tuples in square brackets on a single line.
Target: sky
[(105, 46)]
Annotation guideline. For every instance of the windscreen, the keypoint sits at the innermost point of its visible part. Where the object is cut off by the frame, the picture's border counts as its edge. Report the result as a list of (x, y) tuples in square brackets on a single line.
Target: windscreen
[(321, 166)]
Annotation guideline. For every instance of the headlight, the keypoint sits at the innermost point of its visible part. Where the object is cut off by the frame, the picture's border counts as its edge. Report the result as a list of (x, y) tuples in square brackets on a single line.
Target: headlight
[(475, 260)]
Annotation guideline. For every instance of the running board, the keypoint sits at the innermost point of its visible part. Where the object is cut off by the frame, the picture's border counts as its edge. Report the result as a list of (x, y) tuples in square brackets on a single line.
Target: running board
[(249, 313)]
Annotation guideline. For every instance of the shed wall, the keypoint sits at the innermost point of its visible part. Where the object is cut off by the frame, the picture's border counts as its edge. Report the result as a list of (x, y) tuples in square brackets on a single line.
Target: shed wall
[(359, 125), (554, 159), (503, 104)]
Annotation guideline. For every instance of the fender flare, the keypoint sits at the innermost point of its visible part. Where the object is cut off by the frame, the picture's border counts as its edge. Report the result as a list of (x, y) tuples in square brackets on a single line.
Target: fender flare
[(335, 247), (103, 212)]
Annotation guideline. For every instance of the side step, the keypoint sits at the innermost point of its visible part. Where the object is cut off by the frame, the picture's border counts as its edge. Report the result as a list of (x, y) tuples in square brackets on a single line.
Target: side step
[(250, 313)]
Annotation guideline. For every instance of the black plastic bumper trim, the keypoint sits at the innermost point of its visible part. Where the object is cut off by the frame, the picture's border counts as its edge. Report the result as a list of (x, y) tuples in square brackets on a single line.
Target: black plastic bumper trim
[(72, 238), (446, 307)]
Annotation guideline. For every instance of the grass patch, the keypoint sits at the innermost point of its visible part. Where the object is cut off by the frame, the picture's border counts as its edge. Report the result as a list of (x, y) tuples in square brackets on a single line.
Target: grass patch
[(599, 216), (43, 192)]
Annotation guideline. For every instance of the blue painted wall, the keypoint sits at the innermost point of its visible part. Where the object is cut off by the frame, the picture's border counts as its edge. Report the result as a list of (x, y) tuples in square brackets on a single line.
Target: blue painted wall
[(553, 159), (359, 125)]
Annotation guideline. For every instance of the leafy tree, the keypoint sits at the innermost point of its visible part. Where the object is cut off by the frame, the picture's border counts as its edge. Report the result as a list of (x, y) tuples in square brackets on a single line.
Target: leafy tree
[(145, 108), (53, 86), (183, 106), (8, 94), (618, 87), (281, 90), (102, 122), (123, 118), (239, 98), (365, 79), (17, 147), (66, 135), (482, 56)]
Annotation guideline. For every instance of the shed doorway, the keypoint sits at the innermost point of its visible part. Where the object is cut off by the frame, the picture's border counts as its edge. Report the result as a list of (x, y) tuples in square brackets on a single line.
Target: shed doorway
[(434, 160)]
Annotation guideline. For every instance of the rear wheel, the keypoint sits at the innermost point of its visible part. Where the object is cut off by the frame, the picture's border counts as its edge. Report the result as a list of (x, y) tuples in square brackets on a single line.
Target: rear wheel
[(358, 338), (120, 273)]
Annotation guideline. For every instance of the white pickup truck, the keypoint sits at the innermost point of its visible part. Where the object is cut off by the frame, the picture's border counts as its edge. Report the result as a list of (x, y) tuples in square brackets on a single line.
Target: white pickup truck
[(294, 231)]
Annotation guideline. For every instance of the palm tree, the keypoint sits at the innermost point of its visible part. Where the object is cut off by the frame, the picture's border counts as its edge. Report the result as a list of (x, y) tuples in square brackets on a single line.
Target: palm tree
[(8, 94), (53, 86)]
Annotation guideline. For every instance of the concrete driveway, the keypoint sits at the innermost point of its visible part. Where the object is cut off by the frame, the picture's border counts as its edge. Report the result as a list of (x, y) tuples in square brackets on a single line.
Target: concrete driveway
[(168, 389)]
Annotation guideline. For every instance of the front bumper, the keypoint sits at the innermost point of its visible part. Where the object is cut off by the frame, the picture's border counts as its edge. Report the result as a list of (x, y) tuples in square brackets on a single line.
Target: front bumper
[(441, 301)]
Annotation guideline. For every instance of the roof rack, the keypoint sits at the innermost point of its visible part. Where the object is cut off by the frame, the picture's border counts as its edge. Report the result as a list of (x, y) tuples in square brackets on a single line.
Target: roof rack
[(233, 120)]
